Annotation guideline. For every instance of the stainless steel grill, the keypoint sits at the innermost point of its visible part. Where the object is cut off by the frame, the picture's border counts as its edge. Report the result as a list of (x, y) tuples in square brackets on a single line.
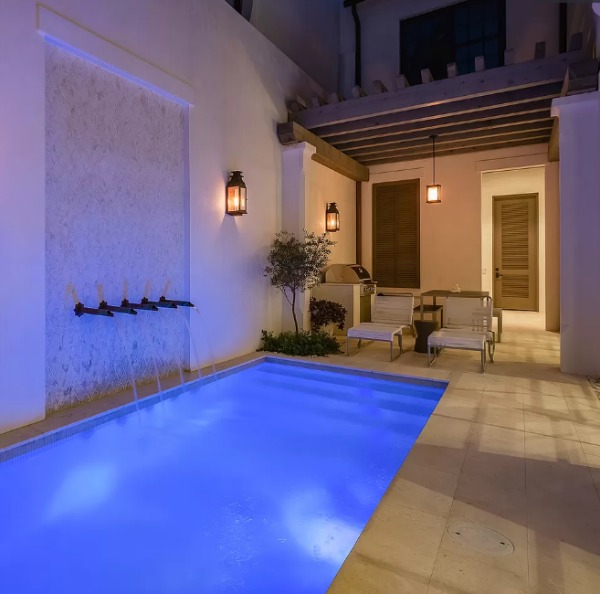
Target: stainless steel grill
[(349, 274)]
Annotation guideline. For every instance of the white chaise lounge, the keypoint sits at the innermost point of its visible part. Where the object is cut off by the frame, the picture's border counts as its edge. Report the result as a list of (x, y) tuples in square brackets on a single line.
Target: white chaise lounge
[(468, 326), (390, 315)]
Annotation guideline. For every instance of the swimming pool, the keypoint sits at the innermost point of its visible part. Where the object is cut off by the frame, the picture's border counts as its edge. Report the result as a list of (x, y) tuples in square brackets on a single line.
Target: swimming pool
[(259, 483)]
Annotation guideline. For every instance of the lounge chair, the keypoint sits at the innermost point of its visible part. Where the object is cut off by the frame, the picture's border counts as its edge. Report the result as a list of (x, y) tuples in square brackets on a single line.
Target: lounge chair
[(390, 315), (468, 326)]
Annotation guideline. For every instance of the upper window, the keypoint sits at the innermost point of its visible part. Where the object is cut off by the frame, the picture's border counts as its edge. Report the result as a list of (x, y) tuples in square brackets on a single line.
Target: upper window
[(457, 33)]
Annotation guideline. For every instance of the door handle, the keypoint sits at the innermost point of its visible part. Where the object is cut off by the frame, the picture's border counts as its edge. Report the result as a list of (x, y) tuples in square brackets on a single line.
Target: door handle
[(498, 275)]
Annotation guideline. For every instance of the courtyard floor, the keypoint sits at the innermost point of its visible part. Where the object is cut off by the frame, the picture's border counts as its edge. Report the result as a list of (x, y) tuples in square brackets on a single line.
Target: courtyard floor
[(515, 450)]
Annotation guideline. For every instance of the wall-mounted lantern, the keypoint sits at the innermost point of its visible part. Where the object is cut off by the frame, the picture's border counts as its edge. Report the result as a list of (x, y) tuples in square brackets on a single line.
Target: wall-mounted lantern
[(332, 218), (434, 191), (236, 200)]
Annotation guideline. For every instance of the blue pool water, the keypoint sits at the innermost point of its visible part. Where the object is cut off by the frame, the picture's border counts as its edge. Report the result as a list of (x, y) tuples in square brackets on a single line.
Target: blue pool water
[(258, 483)]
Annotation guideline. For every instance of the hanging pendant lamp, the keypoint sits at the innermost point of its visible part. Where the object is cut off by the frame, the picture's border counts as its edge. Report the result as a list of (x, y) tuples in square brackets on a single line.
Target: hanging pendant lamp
[(434, 191)]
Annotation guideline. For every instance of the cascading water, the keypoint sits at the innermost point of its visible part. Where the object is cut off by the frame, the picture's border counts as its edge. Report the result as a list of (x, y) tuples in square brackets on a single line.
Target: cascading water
[(192, 340), (176, 354), (129, 363), (153, 352)]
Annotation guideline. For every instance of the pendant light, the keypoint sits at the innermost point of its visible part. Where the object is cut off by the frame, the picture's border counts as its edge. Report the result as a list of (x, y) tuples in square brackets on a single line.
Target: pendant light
[(434, 191)]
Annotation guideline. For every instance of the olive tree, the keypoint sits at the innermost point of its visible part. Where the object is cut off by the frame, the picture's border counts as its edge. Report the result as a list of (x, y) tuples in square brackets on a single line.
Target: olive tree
[(294, 265)]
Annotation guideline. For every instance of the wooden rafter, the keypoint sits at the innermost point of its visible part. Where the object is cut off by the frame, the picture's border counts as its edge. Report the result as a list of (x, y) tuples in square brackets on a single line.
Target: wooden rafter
[(446, 91), (472, 105), (447, 128)]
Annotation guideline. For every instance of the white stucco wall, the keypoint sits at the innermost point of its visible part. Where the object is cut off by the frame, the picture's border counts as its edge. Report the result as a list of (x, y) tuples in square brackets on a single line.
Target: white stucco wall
[(526, 23), (451, 232), (579, 141), (325, 185), (529, 180), (239, 82)]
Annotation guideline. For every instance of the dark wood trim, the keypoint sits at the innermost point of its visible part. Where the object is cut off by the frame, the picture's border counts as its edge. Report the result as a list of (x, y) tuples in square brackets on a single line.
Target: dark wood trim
[(328, 155)]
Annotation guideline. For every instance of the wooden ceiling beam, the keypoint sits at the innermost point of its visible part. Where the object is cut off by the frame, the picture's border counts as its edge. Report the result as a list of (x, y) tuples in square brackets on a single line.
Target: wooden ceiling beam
[(410, 133), (467, 148), (292, 133), (445, 91), (532, 110), (491, 102), (442, 141)]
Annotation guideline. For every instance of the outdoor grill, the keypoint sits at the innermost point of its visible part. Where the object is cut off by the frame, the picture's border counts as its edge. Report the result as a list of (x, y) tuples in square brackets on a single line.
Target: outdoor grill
[(349, 274)]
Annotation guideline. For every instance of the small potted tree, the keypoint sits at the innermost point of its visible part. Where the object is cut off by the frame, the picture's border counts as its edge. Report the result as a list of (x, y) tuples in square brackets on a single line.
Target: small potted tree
[(294, 265)]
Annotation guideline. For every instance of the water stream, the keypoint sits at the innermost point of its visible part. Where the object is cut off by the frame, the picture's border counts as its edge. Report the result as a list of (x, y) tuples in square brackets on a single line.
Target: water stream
[(163, 312), (192, 340), (129, 363), (208, 345), (147, 336)]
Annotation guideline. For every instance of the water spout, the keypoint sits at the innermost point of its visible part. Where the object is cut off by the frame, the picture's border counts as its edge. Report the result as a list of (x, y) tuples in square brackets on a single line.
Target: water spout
[(80, 309), (175, 302), (166, 304), (142, 306), (117, 308)]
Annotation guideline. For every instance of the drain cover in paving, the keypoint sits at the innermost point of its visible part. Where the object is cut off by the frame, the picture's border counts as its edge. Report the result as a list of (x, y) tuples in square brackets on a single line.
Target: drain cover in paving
[(481, 539)]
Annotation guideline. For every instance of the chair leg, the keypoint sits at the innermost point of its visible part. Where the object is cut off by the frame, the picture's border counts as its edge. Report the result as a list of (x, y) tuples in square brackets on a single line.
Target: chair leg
[(429, 359), (483, 359), (400, 342), (392, 350)]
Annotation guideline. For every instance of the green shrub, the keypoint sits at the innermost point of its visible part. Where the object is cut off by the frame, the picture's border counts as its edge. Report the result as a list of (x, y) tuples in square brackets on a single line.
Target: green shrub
[(323, 312), (304, 344)]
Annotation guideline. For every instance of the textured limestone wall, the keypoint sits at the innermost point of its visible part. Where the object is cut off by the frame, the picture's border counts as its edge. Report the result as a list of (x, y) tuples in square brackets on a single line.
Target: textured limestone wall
[(116, 225)]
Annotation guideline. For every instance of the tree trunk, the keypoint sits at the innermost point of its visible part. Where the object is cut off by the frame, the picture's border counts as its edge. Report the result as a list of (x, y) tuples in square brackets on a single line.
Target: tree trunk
[(294, 311)]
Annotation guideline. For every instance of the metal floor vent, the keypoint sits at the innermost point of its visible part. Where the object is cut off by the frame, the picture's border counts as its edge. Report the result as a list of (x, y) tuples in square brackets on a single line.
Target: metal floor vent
[(481, 539)]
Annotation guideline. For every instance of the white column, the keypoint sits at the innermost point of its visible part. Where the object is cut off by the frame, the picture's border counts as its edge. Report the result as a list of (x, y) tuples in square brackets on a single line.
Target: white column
[(579, 232), (22, 223), (297, 160)]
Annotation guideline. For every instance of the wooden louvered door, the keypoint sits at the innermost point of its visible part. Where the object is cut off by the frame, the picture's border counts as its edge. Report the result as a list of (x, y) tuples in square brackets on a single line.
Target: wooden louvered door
[(516, 252), (396, 256)]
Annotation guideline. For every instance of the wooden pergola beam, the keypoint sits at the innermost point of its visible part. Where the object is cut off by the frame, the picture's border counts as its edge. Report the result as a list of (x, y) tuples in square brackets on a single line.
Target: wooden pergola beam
[(484, 146), (446, 91), (473, 105), (292, 133), (424, 142), (412, 132), (532, 110)]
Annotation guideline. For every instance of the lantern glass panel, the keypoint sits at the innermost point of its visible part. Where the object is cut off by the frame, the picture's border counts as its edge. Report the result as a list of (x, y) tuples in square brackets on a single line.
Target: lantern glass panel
[(434, 193)]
